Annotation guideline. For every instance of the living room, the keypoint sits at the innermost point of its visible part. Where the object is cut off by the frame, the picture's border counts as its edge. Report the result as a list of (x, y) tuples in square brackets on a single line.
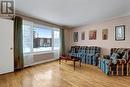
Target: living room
[(64, 43)]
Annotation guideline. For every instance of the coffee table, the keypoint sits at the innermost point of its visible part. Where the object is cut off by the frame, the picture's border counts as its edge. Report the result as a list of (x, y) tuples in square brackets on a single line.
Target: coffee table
[(70, 58)]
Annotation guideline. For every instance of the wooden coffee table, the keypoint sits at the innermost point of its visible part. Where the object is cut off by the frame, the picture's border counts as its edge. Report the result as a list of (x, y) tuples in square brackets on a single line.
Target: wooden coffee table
[(72, 58)]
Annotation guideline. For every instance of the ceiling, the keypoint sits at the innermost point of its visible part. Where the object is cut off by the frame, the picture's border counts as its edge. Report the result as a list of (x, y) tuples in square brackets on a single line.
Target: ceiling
[(73, 13)]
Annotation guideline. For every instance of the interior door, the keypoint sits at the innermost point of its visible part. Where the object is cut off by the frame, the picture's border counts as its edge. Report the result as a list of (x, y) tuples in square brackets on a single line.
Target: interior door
[(6, 46)]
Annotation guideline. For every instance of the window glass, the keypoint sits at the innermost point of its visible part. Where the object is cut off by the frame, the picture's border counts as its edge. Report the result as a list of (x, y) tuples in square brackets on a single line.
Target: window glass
[(56, 40), (37, 38), (42, 39), (27, 38)]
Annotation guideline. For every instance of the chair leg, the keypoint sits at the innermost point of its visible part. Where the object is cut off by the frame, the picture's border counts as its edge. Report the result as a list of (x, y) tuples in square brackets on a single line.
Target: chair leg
[(122, 69), (117, 67), (111, 71), (127, 69)]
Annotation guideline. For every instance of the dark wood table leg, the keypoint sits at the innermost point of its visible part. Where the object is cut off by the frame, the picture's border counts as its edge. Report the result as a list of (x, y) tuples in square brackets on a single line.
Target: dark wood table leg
[(74, 64), (59, 60), (80, 62)]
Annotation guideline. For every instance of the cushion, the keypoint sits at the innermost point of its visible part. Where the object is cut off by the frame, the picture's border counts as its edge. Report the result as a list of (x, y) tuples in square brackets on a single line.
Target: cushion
[(120, 55), (121, 51), (114, 57), (125, 56), (106, 56)]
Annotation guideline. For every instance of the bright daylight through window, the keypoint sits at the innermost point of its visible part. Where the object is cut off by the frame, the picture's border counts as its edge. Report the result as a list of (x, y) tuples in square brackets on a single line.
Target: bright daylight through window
[(38, 39)]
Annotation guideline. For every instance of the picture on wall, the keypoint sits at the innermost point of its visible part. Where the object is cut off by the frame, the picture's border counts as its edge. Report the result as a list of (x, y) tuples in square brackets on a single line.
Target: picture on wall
[(75, 36), (83, 36), (92, 35), (120, 32), (104, 34)]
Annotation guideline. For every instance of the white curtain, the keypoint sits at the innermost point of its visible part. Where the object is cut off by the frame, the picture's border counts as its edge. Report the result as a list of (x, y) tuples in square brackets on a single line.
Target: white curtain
[(28, 43), (56, 42)]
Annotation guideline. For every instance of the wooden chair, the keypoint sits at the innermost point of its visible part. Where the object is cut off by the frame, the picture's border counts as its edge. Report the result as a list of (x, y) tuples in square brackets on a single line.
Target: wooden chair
[(70, 58)]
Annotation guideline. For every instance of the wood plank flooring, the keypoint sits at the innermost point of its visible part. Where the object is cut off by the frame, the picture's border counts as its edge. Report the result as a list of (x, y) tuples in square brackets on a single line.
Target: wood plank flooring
[(55, 75)]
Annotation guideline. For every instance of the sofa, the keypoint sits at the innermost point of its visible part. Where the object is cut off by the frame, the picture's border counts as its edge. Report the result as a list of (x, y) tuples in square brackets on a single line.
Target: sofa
[(81, 53), (74, 50), (115, 63), (88, 55), (92, 54)]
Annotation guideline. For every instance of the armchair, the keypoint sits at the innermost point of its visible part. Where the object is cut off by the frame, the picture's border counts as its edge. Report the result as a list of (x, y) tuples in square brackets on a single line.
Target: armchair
[(115, 63)]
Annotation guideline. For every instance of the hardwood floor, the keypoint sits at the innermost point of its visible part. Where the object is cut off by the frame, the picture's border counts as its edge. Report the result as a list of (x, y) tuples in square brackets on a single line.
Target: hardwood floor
[(55, 75)]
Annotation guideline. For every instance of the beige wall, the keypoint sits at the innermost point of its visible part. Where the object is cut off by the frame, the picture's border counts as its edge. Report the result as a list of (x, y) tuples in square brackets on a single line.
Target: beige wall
[(105, 44), (67, 35)]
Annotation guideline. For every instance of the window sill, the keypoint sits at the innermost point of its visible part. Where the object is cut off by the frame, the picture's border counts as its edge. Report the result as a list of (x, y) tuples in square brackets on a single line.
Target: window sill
[(44, 52), (41, 52)]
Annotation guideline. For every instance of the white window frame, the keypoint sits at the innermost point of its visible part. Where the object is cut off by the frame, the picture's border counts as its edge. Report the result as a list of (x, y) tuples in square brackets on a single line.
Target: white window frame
[(42, 26)]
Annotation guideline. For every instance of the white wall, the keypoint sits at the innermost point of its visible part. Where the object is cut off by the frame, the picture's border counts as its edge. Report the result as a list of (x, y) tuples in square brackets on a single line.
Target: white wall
[(105, 44)]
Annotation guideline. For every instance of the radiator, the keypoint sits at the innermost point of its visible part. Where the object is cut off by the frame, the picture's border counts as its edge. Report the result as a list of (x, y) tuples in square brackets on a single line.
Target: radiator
[(38, 58), (42, 57)]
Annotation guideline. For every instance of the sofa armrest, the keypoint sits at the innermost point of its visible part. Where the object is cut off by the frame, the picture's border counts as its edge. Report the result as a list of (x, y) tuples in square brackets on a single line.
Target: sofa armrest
[(69, 51), (106, 61), (97, 54), (106, 56)]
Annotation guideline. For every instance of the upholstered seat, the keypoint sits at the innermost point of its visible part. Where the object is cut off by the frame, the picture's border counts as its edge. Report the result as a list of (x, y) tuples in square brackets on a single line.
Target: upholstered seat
[(89, 55), (92, 55), (115, 63), (73, 51), (82, 52)]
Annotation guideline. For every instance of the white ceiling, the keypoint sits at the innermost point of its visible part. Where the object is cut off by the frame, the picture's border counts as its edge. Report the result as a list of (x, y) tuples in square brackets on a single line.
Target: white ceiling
[(73, 12)]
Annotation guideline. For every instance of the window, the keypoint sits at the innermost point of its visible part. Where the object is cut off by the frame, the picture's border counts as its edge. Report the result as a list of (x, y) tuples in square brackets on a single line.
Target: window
[(42, 39), (56, 40), (37, 38), (27, 39)]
